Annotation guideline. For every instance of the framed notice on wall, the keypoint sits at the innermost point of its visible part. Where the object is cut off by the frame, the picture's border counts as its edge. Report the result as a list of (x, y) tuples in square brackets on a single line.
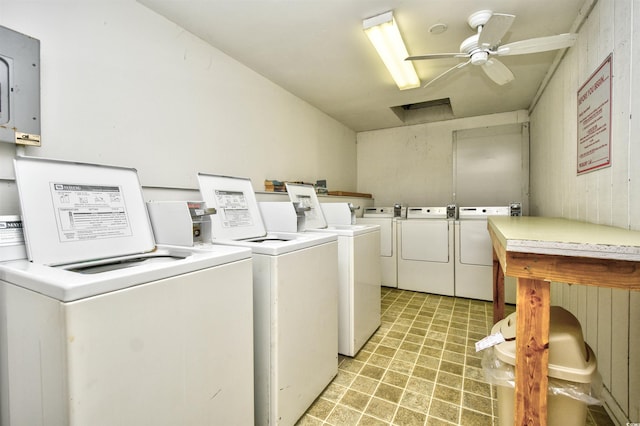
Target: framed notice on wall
[(594, 120)]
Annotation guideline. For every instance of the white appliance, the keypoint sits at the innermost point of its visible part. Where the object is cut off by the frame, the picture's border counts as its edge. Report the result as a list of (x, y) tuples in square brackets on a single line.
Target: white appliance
[(385, 218), (358, 266), (102, 327), (295, 288), (474, 253), (425, 251)]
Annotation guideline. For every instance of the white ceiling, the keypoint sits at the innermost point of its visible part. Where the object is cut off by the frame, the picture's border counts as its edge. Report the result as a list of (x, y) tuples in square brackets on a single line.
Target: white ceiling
[(316, 49)]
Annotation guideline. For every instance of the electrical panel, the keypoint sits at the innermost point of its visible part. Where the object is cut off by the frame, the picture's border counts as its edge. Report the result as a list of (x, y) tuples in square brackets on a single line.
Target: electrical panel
[(19, 88)]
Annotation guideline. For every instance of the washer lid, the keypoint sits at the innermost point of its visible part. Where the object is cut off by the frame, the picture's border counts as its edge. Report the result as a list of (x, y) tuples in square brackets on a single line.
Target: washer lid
[(348, 230), (74, 212), (238, 215), (278, 243), (306, 196), (86, 279)]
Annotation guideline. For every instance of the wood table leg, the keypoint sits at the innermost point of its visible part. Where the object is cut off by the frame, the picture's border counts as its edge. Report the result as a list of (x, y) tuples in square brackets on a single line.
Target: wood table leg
[(498, 290), (532, 352)]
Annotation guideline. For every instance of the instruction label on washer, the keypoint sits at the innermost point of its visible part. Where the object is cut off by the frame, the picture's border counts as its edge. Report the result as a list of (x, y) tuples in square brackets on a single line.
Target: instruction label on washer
[(11, 231), (234, 209), (89, 212)]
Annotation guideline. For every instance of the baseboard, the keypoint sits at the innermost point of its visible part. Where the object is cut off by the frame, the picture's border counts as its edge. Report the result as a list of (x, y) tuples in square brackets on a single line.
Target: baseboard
[(613, 409)]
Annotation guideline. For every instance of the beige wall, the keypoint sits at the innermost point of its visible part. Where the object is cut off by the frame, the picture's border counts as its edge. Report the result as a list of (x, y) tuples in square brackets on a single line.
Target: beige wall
[(413, 165), (609, 196), (121, 85)]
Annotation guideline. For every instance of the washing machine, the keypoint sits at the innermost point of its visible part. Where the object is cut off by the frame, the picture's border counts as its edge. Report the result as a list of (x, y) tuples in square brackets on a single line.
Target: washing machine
[(474, 252), (99, 326), (386, 218), (295, 288), (425, 251), (358, 266)]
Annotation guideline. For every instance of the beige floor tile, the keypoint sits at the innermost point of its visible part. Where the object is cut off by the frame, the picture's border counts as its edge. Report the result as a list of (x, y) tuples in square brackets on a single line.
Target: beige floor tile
[(355, 399), (477, 403), (401, 366), (342, 415), (396, 379), (407, 356), (415, 401), (351, 365), (367, 420), (389, 393), (445, 393), (380, 360), (365, 385), (381, 409), (444, 410), (372, 371), (321, 408), (407, 417), (421, 386)]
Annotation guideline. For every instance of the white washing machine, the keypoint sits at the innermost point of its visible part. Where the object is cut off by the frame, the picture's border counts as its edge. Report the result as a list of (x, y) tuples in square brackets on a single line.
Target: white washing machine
[(358, 266), (474, 252), (101, 327), (385, 218), (425, 251), (295, 288)]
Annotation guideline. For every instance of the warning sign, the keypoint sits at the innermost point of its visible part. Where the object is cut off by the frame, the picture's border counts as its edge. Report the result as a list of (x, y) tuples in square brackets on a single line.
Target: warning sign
[(594, 120)]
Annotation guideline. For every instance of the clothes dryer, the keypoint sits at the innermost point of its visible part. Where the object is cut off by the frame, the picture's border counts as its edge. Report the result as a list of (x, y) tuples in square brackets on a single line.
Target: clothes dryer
[(425, 251), (295, 288), (384, 217), (358, 267), (474, 252), (101, 327)]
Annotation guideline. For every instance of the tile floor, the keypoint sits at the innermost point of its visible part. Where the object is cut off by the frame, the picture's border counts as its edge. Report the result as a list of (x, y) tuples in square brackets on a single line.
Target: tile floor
[(419, 368)]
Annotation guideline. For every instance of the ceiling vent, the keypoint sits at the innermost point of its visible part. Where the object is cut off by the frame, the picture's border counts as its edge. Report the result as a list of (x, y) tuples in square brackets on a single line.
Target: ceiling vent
[(424, 112)]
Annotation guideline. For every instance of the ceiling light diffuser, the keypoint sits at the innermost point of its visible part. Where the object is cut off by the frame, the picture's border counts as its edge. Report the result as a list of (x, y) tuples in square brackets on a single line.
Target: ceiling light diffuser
[(385, 36)]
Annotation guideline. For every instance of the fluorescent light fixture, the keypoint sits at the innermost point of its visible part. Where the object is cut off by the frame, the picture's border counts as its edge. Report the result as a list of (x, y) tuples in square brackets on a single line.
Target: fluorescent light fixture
[(385, 36)]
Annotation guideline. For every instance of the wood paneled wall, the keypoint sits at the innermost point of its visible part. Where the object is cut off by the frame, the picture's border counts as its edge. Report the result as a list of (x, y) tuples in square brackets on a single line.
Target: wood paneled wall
[(610, 196)]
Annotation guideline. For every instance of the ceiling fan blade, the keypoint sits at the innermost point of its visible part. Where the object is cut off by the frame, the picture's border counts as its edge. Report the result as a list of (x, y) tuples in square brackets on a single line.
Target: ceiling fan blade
[(461, 65), (497, 71), (493, 31), (436, 56), (535, 45)]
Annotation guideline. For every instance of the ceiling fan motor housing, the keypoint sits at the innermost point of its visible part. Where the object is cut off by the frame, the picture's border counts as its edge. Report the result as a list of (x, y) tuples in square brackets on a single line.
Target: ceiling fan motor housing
[(479, 58), (479, 18), (470, 46)]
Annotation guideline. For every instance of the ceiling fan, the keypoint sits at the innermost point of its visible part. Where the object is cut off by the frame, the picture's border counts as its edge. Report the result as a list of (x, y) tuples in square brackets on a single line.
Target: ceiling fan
[(481, 47)]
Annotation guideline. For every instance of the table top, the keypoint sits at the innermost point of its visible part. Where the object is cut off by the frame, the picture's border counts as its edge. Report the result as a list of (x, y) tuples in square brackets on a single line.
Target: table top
[(565, 237)]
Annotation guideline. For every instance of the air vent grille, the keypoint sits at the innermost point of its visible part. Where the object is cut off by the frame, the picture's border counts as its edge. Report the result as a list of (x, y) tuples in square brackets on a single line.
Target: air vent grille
[(427, 104), (424, 112)]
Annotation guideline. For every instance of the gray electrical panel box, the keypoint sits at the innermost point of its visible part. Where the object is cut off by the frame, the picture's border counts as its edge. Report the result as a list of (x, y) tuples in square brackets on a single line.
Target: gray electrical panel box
[(19, 88)]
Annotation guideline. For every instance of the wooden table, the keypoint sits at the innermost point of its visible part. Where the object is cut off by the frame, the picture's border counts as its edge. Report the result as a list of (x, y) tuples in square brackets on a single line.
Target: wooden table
[(538, 250)]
